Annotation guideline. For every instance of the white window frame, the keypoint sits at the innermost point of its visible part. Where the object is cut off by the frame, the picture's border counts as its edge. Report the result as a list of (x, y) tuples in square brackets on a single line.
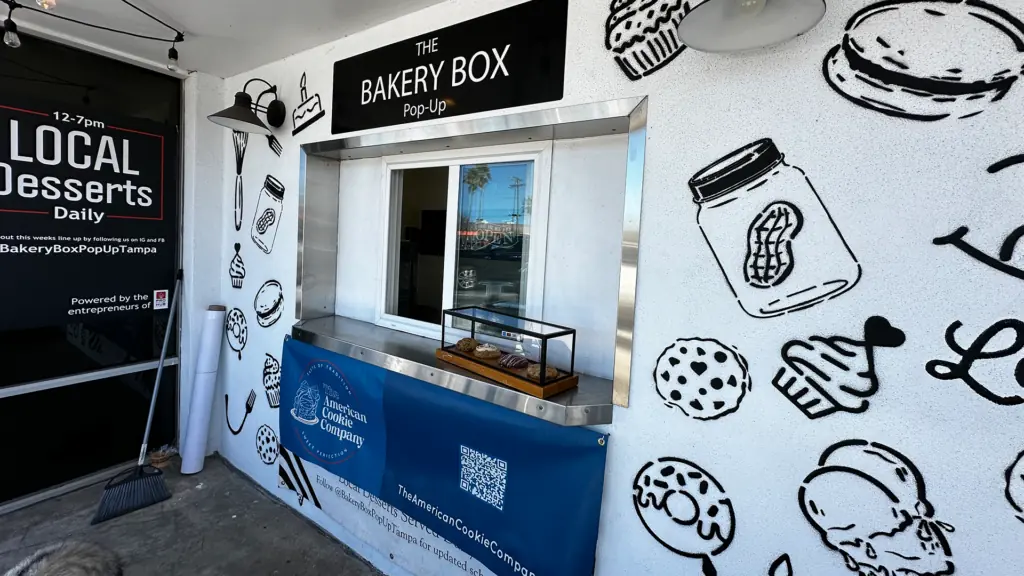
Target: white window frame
[(538, 152)]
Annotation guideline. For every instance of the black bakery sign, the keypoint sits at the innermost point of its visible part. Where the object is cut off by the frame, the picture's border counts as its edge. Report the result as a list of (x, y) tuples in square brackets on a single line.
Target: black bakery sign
[(513, 57), (88, 215)]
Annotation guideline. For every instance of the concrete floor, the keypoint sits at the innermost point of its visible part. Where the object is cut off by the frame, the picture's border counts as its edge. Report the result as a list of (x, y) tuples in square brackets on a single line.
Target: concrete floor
[(229, 526)]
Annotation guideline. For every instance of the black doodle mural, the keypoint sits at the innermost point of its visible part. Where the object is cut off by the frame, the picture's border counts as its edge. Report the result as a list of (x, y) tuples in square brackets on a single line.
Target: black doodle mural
[(880, 65), (241, 141), (292, 476), (237, 330), (703, 378), (781, 567), (956, 239), (685, 509), (267, 444), (272, 380), (1015, 486), (790, 254), (868, 502), (236, 268), (641, 34), (978, 350), (250, 401), (267, 217), (308, 111), (825, 375), (275, 145), (269, 303)]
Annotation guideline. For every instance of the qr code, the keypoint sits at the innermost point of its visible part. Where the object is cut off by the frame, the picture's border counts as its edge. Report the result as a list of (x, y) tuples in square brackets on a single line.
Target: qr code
[(484, 477)]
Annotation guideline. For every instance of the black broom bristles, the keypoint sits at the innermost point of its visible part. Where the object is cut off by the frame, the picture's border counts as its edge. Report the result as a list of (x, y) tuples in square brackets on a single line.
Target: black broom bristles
[(131, 490)]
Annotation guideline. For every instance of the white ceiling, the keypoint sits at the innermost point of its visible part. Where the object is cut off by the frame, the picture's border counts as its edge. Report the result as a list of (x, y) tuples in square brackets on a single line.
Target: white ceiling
[(223, 37)]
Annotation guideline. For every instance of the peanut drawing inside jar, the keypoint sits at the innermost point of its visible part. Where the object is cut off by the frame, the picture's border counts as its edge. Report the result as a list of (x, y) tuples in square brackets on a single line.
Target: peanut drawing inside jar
[(773, 238)]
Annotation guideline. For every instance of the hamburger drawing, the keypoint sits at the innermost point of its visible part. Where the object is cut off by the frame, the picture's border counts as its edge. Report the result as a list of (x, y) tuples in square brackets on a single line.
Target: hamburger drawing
[(269, 303), (868, 503), (927, 59)]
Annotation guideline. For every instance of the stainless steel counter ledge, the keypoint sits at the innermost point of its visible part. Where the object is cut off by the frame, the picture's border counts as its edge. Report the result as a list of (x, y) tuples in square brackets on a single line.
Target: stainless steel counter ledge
[(413, 356)]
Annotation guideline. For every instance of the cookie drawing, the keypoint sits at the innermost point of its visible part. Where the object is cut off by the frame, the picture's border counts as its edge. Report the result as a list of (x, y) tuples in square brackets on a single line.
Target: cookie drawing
[(825, 375), (868, 502), (685, 509), (702, 377), (266, 444), (897, 58)]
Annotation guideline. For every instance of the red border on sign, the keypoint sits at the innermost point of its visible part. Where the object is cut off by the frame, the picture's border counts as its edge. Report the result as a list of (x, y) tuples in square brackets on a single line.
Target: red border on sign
[(160, 137)]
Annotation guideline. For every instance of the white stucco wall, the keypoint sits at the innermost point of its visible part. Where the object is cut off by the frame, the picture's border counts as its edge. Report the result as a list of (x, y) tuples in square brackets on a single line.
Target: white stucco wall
[(890, 185)]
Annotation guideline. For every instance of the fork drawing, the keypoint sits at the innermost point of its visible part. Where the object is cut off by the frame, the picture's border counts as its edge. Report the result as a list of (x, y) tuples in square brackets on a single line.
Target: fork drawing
[(249, 403), (275, 145)]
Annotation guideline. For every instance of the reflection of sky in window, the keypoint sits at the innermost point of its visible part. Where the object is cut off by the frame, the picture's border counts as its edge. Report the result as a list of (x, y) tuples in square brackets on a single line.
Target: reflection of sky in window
[(497, 199)]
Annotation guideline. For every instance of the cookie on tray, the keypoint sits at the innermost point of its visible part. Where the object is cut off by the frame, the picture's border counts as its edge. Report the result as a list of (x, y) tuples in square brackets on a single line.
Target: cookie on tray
[(487, 351), (533, 372), (466, 345), (513, 362)]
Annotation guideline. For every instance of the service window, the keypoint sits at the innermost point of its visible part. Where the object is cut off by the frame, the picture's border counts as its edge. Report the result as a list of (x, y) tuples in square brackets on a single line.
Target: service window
[(464, 230)]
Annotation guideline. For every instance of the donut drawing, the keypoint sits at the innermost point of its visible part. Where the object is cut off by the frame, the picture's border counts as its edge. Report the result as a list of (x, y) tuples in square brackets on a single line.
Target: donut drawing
[(685, 509), (702, 377), (237, 331)]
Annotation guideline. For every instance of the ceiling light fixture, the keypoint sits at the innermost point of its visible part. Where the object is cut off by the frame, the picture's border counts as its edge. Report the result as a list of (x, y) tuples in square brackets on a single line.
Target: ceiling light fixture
[(11, 38), (737, 25), (11, 29), (242, 115)]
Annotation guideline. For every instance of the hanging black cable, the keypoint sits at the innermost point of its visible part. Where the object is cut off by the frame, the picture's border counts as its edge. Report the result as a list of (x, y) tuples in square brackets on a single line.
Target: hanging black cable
[(179, 37), (154, 18)]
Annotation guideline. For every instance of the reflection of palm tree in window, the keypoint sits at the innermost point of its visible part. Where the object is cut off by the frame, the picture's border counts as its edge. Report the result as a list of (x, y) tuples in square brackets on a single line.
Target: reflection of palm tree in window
[(476, 179)]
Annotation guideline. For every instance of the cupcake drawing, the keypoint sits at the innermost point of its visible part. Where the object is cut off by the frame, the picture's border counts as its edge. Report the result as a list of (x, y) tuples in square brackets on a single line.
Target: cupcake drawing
[(236, 270), (307, 400), (272, 380), (642, 34)]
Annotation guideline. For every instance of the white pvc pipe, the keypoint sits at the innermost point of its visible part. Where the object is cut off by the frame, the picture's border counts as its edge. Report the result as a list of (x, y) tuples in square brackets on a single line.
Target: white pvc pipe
[(193, 451)]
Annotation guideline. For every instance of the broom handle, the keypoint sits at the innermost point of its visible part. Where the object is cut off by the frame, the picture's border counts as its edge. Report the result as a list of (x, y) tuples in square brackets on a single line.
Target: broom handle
[(160, 368)]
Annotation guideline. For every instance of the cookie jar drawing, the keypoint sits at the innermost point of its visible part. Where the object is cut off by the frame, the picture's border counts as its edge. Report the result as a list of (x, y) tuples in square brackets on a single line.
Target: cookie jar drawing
[(770, 233), (268, 214)]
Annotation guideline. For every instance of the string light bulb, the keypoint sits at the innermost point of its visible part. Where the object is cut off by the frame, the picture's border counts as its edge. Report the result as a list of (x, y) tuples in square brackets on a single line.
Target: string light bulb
[(11, 38), (46, 4)]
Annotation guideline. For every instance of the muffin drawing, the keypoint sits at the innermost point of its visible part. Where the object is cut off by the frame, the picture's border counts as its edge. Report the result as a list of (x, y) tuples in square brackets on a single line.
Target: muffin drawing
[(702, 377), (825, 375), (927, 59), (272, 380), (236, 269), (642, 34), (685, 509)]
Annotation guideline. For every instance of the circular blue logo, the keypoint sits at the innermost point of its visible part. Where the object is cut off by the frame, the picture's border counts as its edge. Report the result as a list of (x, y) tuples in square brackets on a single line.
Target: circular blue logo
[(333, 427)]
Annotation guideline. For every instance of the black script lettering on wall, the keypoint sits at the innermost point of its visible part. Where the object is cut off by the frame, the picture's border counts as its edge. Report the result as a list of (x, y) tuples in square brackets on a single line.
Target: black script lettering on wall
[(781, 567), (88, 215), (704, 378), (825, 375), (956, 238), (968, 57), (642, 34), (868, 502), (1002, 393), (773, 238), (685, 509), (513, 57), (1015, 486)]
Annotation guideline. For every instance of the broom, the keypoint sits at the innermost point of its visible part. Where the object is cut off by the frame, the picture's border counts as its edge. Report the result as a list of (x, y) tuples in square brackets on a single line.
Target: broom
[(140, 486)]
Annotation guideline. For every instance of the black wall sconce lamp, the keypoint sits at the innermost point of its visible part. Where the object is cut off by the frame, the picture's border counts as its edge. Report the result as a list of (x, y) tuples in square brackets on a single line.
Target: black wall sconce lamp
[(242, 116)]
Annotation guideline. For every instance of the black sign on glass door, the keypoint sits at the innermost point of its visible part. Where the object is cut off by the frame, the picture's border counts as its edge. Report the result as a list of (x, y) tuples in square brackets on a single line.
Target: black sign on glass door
[(513, 57)]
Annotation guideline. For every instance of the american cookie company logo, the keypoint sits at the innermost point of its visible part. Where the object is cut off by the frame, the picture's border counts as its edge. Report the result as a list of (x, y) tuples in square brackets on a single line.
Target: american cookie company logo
[(327, 405)]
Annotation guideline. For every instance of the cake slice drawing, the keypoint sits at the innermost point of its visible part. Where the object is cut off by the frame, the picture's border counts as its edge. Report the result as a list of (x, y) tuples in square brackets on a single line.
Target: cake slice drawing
[(308, 112), (824, 375)]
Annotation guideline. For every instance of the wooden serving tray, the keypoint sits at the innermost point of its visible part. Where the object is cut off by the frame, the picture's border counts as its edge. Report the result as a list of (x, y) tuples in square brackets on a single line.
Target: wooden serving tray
[(489, 369)]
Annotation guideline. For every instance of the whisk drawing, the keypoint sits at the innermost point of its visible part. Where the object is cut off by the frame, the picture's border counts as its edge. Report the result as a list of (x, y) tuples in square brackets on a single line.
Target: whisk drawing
[(241, 140)]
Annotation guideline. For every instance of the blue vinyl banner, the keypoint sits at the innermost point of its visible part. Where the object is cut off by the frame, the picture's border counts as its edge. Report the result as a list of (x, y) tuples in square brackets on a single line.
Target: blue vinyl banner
[(492, 481)]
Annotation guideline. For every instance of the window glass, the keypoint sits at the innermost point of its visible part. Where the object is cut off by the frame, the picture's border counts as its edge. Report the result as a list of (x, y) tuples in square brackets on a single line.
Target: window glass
[(493, 236)]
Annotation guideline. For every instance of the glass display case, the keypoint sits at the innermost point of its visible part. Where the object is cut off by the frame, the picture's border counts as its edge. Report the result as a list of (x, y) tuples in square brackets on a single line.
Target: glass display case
[(535, 357)]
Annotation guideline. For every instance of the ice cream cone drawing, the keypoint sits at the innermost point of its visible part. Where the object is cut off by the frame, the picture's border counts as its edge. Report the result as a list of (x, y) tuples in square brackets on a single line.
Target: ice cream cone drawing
[(868, 502), (825, 375), (685, 509)]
